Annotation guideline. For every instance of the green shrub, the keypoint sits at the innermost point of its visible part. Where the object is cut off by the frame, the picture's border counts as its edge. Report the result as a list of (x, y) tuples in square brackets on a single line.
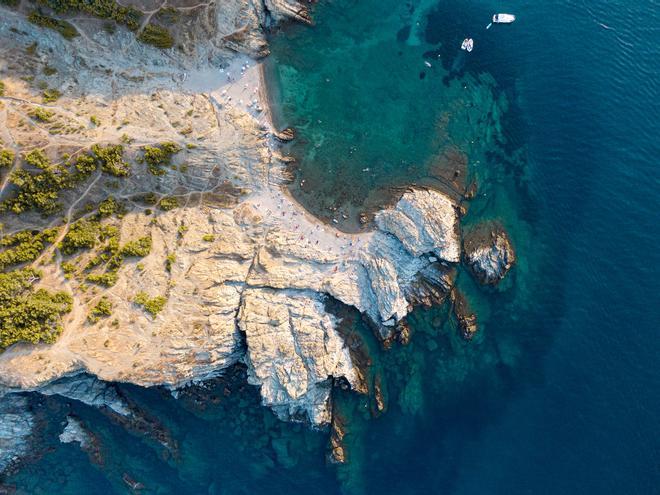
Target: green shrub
[(95, 120), (2, 88), (41, 114), (169, 261), (168, 203), (111, 159), (6, 158), (50, 95), (29, 315), (168, 15), (208, 238), (153, 305), (107, 279), (83, 234), (24, 246), (110, 206), (37, 190), (157, 36), (160, 156), (102, 309), (64, 28), (140, 247), (105, 9)]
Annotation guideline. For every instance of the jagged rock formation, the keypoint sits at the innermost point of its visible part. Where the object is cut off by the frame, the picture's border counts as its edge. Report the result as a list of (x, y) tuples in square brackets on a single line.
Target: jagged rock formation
[(488, 253), (248, 270), (16, 426)]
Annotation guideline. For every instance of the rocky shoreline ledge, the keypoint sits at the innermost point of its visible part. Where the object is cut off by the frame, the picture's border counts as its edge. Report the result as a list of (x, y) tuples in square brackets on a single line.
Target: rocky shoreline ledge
[(244, 271)]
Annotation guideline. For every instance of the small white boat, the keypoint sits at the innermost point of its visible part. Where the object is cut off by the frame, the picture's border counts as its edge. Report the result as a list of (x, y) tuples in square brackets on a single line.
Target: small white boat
[(428, 64), (468, 44), (504, 18)]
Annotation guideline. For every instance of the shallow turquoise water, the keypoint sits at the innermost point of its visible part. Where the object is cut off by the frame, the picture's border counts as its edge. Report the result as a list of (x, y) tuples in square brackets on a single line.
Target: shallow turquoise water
[(559, 392)]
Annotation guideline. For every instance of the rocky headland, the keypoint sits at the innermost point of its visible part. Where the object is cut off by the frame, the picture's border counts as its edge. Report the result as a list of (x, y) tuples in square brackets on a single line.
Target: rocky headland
[(214, 264)]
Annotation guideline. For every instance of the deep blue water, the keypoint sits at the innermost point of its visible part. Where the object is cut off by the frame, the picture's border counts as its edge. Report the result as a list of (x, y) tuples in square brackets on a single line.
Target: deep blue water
[(560, 391)]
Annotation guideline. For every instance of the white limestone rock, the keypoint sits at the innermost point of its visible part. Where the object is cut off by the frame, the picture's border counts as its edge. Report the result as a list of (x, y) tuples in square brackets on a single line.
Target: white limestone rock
[(293, 352), (74, 431), (425, 221)]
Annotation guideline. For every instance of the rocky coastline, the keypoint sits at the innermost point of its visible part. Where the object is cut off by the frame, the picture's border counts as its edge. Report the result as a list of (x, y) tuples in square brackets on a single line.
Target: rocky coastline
[(249, 272)]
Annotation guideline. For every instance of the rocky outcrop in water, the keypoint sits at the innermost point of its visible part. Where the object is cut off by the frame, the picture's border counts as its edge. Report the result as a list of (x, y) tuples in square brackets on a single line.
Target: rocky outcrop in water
[(466, 318), (488, 253), (16, 428)]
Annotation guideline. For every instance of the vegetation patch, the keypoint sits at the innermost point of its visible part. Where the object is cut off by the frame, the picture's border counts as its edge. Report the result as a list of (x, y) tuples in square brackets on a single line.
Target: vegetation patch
[(83, 234), (111, 159), (110, 206), (41, 114), (64, 28), (105, 9), (24, 246), (27, 314), (168, 203), (6, 158), (152, 305), (102, 309), (38, 190), (50, 95), (140, 247), (160, 156), (157, 36), (169, 261)]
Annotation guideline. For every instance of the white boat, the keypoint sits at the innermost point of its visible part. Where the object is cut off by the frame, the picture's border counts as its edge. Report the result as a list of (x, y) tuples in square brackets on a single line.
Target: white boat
[(468, 44), (504, 18)]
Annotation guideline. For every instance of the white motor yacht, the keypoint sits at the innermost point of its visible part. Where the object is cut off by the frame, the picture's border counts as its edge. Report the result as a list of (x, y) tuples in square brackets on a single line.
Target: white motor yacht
[(504, 18)]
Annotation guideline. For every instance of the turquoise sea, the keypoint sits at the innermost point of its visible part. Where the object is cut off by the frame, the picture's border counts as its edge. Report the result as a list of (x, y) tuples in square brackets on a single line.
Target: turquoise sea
[(558, 119)]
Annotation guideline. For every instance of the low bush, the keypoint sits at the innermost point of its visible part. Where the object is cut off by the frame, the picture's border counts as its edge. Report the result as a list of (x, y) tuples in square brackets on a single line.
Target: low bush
[(27, 314)]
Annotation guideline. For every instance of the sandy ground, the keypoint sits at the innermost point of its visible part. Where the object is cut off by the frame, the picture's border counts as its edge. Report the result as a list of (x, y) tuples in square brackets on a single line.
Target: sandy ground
[(241, 85)]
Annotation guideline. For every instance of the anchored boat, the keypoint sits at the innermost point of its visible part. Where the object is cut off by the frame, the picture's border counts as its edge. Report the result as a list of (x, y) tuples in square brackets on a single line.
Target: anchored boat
[(468, 44), (504, 18)]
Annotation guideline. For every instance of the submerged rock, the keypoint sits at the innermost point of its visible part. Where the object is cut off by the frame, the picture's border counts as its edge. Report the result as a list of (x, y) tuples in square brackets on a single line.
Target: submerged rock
[(76, 432), (285, 135), (338, 432), (488, 253), (467, 320)]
